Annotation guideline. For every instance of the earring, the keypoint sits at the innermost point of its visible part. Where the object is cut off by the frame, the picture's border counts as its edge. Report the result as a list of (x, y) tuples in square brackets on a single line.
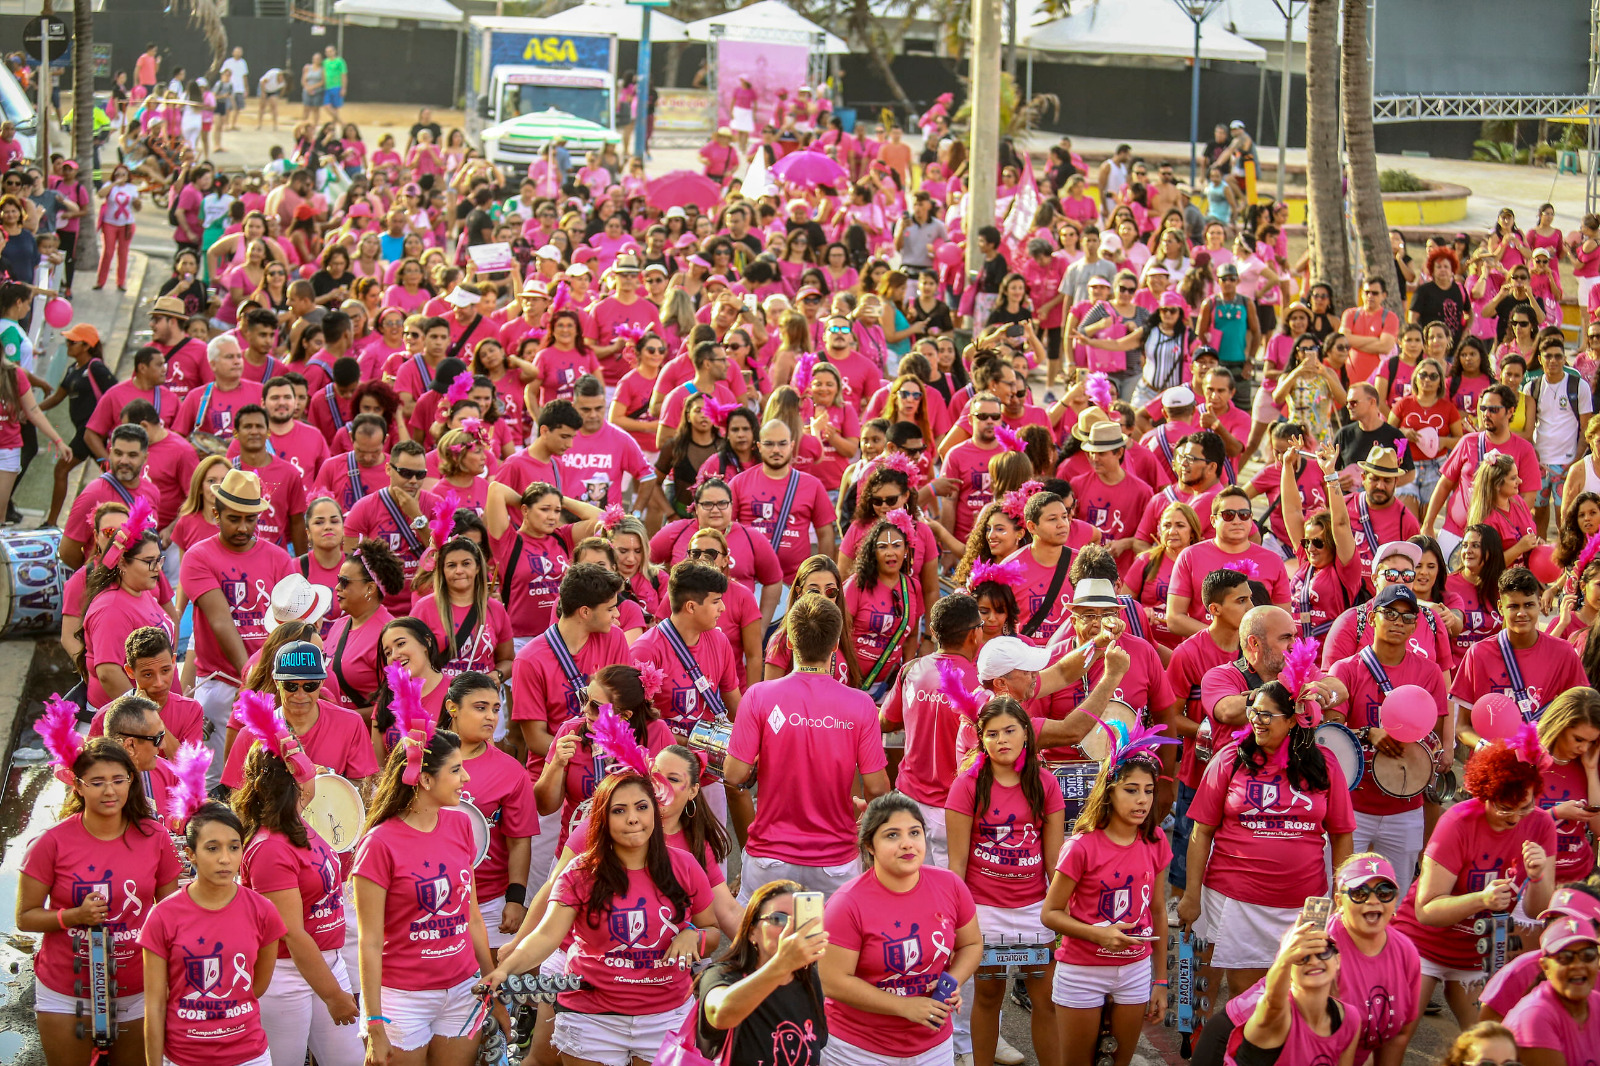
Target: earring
[(689, 810)]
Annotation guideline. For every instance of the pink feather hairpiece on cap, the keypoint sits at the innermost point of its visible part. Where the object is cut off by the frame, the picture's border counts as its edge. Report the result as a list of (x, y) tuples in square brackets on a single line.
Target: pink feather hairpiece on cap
[(141, 517), (58, 728), (188, 793), (258, 714), (1525, 744), (1008, 438), (1008, 573), (613, 736), (900, 462), (417, 726), (1100, 391), (1299, 671)]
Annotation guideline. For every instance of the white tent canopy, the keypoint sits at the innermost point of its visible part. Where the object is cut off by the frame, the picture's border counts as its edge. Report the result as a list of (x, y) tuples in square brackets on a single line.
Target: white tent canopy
[(1261, 20), (421, 10), (1139, 28), (766, 15), (615, 16)]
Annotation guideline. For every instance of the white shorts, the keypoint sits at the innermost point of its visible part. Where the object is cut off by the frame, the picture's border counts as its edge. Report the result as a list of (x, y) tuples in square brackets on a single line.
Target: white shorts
[(1086, 987), (938, 846), (825, 879), (216, 698), (263, 1059), (416, 1017), (10, 460), (1245, 935), (1397, 837), (294, 1019), (616, 1039), (743, 120), (49, 1001), (1440, 972), (1019, 925), (518, 643), (840, 1053), (555, 965)]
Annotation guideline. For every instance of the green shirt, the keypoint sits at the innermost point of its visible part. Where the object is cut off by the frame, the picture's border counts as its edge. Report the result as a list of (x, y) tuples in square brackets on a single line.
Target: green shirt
[(333, 72)]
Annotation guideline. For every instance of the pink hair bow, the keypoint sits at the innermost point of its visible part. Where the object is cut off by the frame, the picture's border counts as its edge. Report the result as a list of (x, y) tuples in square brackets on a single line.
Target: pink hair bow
[(613, 736), (900, 519), (651, 678), (416, 724)]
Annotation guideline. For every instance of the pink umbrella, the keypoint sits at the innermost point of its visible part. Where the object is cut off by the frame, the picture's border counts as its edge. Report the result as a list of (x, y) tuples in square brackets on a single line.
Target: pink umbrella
[(810, 169), (681, 188)]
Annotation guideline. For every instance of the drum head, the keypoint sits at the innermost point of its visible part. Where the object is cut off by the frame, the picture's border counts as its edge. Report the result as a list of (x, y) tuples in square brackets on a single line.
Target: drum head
[(1405, 775), (1341, 744), (336, 812), (207, 444), (480, 830), (1097, 745)]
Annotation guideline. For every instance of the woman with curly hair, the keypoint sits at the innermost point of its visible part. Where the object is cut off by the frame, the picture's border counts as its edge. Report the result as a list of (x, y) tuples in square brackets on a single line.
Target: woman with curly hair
[(376, 398), (995, 535), (884, 602), (1483, 1043), (1485, 852), (888, 489), (564, 358), (370, 573)]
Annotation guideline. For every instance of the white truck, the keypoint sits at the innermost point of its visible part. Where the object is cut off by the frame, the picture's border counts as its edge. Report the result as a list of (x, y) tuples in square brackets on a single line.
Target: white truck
[(521, 66)]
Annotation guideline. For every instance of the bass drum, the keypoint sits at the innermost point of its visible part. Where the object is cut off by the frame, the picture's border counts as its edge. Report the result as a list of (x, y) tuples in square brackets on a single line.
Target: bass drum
[(336, 812), (1408, 774), (1096, 744), (32, 581), (1343, 746)]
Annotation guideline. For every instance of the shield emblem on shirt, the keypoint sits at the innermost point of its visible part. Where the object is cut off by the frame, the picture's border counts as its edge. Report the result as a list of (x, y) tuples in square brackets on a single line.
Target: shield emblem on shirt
[(1114, 903), (900, 956), (684, 702), (768, 511), (433, 893), (234, 591), (82, 890), (1261, 794), (204, 972), (627, 923)]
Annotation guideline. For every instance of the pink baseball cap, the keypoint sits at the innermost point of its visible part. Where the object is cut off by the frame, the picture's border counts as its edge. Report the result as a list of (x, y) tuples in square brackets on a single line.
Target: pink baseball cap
[(1566, 932), (717, 279), (1172, 299), (1365, 871), (1572, 903)]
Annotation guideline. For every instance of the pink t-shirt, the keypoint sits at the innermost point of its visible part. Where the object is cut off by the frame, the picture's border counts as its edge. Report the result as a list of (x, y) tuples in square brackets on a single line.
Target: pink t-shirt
[(1387, 525), (333, 479), (111, 617), (1515, 980), (1541, 1021), (353, 650), (500, 788), (103, 488), (968, 464), (1548, 669), (1388, 984), (1313, 494), (1318, 597), (427, 883), (530, 570), (187, 367), (1269, 834), (245, 580), (682, 702), (672, 406), (1430, 639), (1005, 867), (633, 393), (541, 691), (1150, 521), (170, 466), (903, 941), (1030, 589), (808, 720), (558, 369), (622, 952), (1114, 886), (303, 448), (1364, 710), (1112, 509), (830, 468), (609, 456), (476, 651), (273, 864), (181, 717), (1463, 844), (1190, 661), (781, 656), (1199, 560), (758, 501), (1151, 593), (377, 516), (283, 486), (611, 313), (876, 616), (931, 725), (1574, 855), (339, 739), (212, 1014), (218, 418), (72, 864), (1463, 464), (754, 561)]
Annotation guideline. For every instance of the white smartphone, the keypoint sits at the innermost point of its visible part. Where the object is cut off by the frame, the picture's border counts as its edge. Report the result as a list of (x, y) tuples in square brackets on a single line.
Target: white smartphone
[(808, 905)]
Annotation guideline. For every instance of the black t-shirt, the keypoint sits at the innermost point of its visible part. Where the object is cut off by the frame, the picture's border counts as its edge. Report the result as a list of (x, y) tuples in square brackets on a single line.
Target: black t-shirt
[(750, 241), (1502, 311), (193, 294), (1433, 304), (81, 394), (814, 235), (480, 226), (431, 127), (323, 282), (788, 1028), (938, 318), (1355, 443), (1000, 316)]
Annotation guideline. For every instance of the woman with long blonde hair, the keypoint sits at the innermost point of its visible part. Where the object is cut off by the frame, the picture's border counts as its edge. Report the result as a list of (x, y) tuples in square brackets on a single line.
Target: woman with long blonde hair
[(1496, 501), (677, 317), (794, 340)]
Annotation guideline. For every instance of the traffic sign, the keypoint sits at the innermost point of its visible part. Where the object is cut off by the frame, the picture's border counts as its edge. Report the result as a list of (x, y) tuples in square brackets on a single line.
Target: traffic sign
[(34, 29)]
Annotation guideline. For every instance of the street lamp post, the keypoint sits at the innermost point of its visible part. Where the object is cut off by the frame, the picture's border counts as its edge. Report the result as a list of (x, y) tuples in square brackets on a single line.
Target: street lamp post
[(1287, 9), (1196, 11), (641, 84)]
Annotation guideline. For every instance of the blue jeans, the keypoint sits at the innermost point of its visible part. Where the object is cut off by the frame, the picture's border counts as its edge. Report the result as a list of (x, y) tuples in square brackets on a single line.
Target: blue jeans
[(1178, 872)]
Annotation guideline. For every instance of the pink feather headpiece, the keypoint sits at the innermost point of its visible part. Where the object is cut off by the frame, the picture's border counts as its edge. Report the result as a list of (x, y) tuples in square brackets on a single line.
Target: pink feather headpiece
[(258, 714), (1525, 744), (613, 736), (964, 701), (416, 724), (1136, 742), (802, 372), (141, 517), (562, 297), (1299, 671), (717, 411), (442, 517), (611, 516), (651, 678), (1100, 392), (59, 731), (1016, 501), (1007, 573), (1400, 447), (475, 427), (189, 792), (900, 519), (1008, 438), (460, 389), (901, 462), (629, 333), (1247, 567), (1585, 557)]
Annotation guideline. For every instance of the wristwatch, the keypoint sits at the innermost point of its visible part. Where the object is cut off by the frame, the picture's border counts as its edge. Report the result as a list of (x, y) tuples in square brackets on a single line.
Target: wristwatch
[(419, 522)]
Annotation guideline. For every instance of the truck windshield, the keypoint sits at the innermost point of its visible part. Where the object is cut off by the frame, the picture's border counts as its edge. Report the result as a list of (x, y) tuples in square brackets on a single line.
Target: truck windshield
[(591, 104)]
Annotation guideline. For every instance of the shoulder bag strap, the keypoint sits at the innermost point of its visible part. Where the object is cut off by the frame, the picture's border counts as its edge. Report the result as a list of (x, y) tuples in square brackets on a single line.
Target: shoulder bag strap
[(456, 346), (894, 638), (360, 699), (1057, 579), (511, 569)]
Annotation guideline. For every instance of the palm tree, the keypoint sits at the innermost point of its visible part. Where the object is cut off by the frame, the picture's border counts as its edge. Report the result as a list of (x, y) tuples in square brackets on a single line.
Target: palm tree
[(83, 130), (1330, 253), (1366, 198), (206, 16)]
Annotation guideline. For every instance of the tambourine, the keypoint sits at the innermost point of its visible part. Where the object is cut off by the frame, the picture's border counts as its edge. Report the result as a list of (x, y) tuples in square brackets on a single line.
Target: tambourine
[(206, 444)]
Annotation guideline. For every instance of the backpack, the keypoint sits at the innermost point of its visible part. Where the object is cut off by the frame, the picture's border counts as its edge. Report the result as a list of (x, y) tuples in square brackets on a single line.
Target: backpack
[(1536, 386)]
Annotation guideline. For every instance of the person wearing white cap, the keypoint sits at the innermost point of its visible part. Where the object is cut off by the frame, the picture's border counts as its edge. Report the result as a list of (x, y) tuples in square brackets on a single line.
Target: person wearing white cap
[(1075, 282), (1177, 407), (1396, 563), (1011, 667)]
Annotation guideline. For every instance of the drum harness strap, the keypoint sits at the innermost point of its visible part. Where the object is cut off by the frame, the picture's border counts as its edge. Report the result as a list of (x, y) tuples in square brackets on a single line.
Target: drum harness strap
[(1369, 659), (1135, 615), (782, 523), (110, 479), (205, 405), (336, 663), (902, 616), (1057, 579), (358, 488), (687, 661), (576, 678), (398, 518), (1519, 687)]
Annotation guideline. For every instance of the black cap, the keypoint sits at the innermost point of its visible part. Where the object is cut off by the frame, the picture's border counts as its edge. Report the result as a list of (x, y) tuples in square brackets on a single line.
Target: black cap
[(300, 660), (1396, 593)]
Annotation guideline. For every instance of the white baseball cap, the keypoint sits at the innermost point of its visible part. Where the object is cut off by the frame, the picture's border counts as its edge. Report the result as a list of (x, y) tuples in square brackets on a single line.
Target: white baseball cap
[(1004, 654)]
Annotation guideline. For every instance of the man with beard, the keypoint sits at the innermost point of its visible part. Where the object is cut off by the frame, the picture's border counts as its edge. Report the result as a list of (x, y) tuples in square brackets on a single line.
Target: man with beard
[(282, 484), (296, 443), (123, 480), (1376, 514), (861, 377), (351, 475), (965, 482), (1365, 431), (1450, 495), (1198, 464), (1265, 634), (783, 505), (1016, 410)]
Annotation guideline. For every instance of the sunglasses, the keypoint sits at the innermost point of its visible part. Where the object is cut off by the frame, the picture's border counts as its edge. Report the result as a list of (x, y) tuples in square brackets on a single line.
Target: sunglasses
[(1315, 544), (156, 740), (1568, 957), (1386, 891), (1128, 289), (1406, 576), (909, 394), (837, 329), (346, 582), (1305, 349), (1489, 409), (1325, 954), (885, 501), (777, 919), (307, 687), (1234, 514), (708, 555), (409, 474), (985, 418)]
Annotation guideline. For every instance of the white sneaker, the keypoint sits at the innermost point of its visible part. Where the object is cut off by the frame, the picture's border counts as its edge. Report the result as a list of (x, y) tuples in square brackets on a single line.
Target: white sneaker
[(1006, 1055)]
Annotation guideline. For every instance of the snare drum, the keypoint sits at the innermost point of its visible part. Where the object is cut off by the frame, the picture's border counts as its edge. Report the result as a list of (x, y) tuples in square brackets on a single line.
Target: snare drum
[(1407, 774), (1343, 746), (336, 812), (480, 829), (1076, 778), (711, 739), (1096, 744), (31, 582)]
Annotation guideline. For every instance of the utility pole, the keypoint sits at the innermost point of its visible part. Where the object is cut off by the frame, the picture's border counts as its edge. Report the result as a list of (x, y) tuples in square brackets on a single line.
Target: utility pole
[(83, 121), (984, 125), (42, 126)]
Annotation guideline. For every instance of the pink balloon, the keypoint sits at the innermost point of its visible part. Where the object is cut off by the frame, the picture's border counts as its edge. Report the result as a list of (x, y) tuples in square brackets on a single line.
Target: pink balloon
[(1495, 716), (1409, 713), (950, 254), (1542, 561), (58, 313)]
